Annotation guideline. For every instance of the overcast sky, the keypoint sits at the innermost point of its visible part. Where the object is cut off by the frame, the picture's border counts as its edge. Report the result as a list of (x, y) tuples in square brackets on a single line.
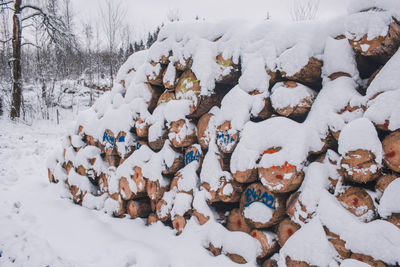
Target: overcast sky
[(144, 15)]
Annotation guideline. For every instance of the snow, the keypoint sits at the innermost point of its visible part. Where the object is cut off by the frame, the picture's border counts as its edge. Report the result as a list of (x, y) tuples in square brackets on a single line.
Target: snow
[(353, 263), (339, 57), (283, 97), (42, 227), (309, 244), (379, 239), (389, 202), (387, 78), (370, 23), (360, 134), (363, 5), (294, 59), (258, 212)]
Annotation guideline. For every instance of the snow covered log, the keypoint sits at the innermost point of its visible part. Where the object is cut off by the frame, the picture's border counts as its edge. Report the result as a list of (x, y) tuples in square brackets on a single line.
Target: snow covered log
[(170, 77), (270, 263), (230, 71), (236, 222), (155, 76), (368, 260), (227, 138), (203, 131), (391, 148), (236, 258), (295, 209), (338, 243), (155, 192), (357, 201), (285, 230), (183, 64), (119, 205), (310, 74), (151, 219), (230, 191), (292, 99), (268, 241), (194, 153), (165, 97), (182, 133), (138, 208), (266, 110), (361, 151), (142, 128), (380, 48), (294, 263), (280, 179), (179, 223), (134, 186), (261, 208), (383, 182)]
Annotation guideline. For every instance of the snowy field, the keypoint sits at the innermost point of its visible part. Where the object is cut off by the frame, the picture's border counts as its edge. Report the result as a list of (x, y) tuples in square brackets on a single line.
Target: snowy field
[(40, 226)]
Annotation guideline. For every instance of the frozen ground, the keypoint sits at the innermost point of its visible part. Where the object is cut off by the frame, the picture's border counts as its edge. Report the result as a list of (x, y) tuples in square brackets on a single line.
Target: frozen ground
[(40, 226)]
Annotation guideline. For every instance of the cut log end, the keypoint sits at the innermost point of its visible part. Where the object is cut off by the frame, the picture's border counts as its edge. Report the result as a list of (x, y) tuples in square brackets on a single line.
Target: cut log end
[(267, 241), (179, 223), (359, 202), (391, 148), (359, 166), (236, 222), (285, 230)]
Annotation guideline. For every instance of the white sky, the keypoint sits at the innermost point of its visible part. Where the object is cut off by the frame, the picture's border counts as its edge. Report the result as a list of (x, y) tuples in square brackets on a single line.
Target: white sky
[(144, 15)]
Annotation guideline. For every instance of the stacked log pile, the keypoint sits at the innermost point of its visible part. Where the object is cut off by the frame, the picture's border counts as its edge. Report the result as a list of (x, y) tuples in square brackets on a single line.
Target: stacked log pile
[(207, 164)]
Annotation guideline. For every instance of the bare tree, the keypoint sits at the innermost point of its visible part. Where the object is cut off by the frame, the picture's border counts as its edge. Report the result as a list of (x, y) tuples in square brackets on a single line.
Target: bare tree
[(22, 14), (112, 18), (174, 14), (304, 9)]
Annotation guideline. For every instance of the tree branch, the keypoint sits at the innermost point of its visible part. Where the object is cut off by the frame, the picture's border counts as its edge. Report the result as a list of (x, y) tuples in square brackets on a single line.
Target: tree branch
[(6, 3), (5, 41), (31, 16), (29, 43)]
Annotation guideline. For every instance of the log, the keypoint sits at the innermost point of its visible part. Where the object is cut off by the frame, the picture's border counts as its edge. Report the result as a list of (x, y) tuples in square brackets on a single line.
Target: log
[(155, 93), (359, 202), (338, 243), (391, 148), (109, 143), (270, 263), (384, 181), (170, 84), (247, 176), (194, 153), (155, 192), (121, 138), (230, 191), (112, 160), (227, 138), (160, 206), (309, 74), (156, 77), (203, 131), (230, 71), (90, 141), (138, 208), (175, 167), (381, 48), (182, 134), (266, 111), (215, 251), (68, 167), (151, 219), (122, 205), (142, 128), (286, 229), (76, 194), (213, 193), (281, 179), (295, 209), (285, 90), (165, 97), (294, 263), (201, 218), (345, 110), (183, 65), (359, 166), (257, 200), (188, 88), (158, 144), (126, 191), (394, 219), (51, 177), (236, 222), (268, 242), (103, 184), (179, 223), (368, 260)]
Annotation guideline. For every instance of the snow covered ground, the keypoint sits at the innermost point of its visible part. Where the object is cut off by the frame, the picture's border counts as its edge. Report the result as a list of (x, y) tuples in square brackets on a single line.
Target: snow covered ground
[(40, 226)]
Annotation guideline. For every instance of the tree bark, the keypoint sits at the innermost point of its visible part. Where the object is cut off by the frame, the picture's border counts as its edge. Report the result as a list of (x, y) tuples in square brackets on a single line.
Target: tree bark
[(16, 62)]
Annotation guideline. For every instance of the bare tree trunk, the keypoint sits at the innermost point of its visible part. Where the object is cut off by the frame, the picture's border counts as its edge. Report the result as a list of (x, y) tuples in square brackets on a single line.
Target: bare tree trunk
[(16, 62)]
